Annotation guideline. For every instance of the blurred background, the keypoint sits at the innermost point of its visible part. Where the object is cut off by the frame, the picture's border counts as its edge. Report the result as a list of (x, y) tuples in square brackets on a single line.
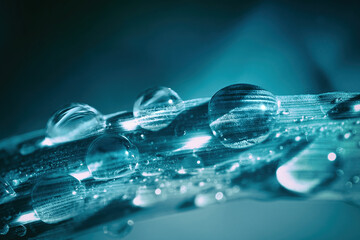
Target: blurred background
[(104, 53)]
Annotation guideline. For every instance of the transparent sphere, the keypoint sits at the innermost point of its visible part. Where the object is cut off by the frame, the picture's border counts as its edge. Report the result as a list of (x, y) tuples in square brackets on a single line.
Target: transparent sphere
[(111, 156), (157, 107), (307, 173), (57, 197), (119, 229), (74, 121), (242, 115)]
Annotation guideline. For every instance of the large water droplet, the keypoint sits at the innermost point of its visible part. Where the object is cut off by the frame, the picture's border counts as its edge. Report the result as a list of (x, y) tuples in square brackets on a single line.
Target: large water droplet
[(57, 197), (111, 156), (119, 230), (242, 115), (157, 107), (74, 121), (346, 109)]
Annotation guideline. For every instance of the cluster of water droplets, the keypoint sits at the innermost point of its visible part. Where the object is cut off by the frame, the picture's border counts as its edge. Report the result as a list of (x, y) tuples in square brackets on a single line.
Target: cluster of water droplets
[(248, 135)]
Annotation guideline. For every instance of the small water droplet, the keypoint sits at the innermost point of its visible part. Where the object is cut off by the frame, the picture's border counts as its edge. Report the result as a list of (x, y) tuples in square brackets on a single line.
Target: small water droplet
[(156, 108), (339, 172), (285, 112), (111, 156), (4, 229), (355, 179), (74, 121), (57, 197), (345, 136), (228, 167), (20, 230), (304, 173), (347, 109), (332, 156), (189, 164), (6, 189), (242, 115), (219, 196), (348, 185), (158, 191), (119, 230)]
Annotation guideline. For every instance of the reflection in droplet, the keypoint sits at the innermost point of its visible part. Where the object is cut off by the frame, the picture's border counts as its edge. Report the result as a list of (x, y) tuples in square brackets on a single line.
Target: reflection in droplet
[(242, 115), (74, 121), (156, 108), (111, 156), (57, 197), (119, 230)]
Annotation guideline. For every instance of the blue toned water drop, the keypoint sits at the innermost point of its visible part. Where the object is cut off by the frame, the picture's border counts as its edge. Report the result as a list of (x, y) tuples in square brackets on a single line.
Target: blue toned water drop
[(309, 170), (157, 107), (346, 109), (189, 164), (57, 197), (119, 230), (242, 115), (74, 121), (111, 156)]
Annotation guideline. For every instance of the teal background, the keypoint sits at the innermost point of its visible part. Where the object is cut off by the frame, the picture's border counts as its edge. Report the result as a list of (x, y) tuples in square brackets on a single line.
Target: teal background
[(106, 52)]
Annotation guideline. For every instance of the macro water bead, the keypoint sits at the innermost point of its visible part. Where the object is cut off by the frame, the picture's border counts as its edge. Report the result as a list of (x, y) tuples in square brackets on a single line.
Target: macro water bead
[(157, 107), (74, 121), (111, 156), (57, 197), (242, 115)]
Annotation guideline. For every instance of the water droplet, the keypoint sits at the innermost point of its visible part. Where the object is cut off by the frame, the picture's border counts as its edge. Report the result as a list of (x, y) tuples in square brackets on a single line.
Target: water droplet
[(57, 197), (348, 185), (285, 112), (74, 121), (158, 191), (119, 230), (6, 189), (219, 196), (20, 230), (355, 179), (189, 164), (4, 229), (146, 197), (157, 107), (242, 115), (308, 171), (339, 172), (336, 100), (228, 167), (111, 156), (346, 109), (332, 156)]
